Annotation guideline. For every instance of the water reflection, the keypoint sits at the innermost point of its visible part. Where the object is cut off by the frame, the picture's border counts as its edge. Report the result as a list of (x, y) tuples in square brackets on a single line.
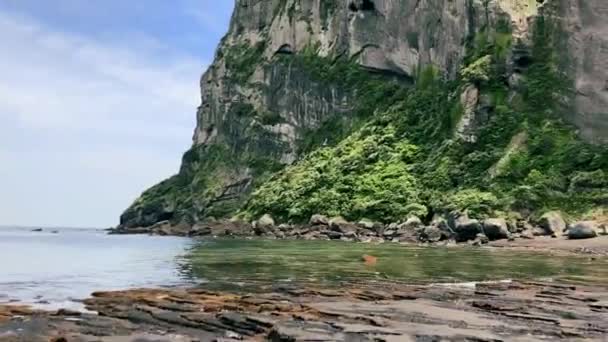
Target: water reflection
[(229, 264), (53, 269)]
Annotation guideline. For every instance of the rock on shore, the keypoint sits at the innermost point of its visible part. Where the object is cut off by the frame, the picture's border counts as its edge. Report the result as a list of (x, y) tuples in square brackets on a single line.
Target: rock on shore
[(456, 227)]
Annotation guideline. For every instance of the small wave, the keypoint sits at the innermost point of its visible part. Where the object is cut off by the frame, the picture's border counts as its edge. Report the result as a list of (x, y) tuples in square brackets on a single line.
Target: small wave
[(471, 284)]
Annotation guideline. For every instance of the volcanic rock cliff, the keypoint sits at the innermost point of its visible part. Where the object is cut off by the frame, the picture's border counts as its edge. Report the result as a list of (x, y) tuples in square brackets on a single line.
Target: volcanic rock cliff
[(293, 79)]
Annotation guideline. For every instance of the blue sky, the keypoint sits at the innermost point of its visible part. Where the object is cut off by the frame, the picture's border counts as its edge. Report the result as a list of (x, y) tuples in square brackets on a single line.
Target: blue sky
[(97, 102)]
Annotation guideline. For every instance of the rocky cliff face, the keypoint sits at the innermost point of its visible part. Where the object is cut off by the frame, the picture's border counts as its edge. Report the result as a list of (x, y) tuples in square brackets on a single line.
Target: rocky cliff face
[(293, 75)]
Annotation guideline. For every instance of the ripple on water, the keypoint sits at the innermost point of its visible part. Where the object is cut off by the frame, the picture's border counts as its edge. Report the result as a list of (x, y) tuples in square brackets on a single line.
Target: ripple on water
[(259, 263), (56, 270)]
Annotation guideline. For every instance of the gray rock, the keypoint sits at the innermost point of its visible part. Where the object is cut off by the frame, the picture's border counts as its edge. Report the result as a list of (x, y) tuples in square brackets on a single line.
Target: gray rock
[(339, 224), (538, 231), (512, 226), (263, 226), (412, 222), (527, 234), (319, 220), (351, 235), (337, 221), (583, 230), (480, 239), (432, 234), (389, 233), (553, 223), (311, 236), (465, 229), (284, 227), (496, 229), (367, 224), (334, 235), (265, 221)]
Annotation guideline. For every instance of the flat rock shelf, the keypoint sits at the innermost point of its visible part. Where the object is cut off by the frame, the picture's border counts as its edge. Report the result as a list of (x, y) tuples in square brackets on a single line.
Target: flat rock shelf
[(500, 311)]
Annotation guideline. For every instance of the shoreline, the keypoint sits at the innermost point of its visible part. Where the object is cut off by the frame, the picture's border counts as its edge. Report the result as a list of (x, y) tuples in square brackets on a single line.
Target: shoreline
[(551, 232), (515, 310), (597, 246), (373, 310)]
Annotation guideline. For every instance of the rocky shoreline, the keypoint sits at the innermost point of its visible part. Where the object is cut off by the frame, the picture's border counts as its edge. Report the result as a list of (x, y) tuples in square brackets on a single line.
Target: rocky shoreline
[(501, 311), (454, 228)]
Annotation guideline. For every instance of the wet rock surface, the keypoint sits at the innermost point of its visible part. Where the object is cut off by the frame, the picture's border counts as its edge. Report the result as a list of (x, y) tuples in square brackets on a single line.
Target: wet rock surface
[(506, 311)]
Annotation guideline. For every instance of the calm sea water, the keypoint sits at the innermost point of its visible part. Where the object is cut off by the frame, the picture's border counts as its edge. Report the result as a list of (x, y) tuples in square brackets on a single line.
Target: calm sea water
[(55, 270), (52, 269)]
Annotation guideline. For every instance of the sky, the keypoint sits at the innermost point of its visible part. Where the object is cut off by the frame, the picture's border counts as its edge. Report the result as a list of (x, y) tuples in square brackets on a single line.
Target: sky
[(97, 102)]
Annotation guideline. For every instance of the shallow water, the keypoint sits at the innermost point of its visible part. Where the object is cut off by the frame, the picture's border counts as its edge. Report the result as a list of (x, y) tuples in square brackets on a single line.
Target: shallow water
[(53, 270), (229, 264)]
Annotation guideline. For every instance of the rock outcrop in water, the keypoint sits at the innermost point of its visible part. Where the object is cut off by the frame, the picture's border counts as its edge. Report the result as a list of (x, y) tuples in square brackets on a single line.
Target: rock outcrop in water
[(329, 86)]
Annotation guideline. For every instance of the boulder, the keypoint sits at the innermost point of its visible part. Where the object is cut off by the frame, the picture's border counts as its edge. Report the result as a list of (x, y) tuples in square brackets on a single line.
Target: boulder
[(553, 223), (311, 236), (496, 229), (263, 226), (480, 239), (334, 235), (432, 234), (465, 229), (351, 235), (369, 224), (365, 223), (442, 224), (265, 221), (319, 220), (389, 233), (527, 234), (339, 224), (512, 226), (412, 222), (603, 229), (538, 231), (583, 230), (336, 222), (285, 227)]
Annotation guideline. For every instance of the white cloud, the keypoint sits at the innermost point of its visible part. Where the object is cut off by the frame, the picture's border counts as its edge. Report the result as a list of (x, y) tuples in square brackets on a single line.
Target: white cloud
[(87, 124), (75, 79)]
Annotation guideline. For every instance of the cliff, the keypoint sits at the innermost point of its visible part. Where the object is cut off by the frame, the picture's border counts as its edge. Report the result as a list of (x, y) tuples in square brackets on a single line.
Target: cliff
[(300, 82)]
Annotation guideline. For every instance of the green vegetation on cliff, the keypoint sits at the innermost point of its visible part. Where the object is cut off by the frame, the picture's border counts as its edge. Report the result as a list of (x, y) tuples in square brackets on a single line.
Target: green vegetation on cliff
[(490, 142), (524, 158)]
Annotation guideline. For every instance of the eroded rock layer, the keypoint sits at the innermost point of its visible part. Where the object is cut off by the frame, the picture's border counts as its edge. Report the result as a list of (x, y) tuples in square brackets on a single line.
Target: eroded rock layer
[(508, 311)]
